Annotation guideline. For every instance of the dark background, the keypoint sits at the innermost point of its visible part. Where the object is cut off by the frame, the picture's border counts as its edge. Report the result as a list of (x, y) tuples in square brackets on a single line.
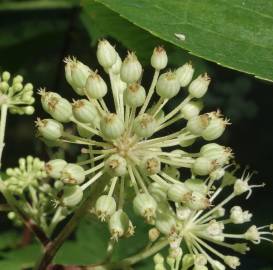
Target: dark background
[(34, 43)]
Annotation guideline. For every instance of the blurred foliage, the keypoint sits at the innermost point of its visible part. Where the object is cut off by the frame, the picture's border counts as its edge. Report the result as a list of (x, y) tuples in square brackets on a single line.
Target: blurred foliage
[(35, 36)]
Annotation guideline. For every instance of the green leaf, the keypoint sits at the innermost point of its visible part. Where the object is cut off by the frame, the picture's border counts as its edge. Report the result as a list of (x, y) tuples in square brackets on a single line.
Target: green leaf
[(233, 33), (20, 258), (101, 22), (8, 239)]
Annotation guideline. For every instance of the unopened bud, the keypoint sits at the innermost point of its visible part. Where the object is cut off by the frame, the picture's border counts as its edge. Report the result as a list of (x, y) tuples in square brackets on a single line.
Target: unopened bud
[(54, 167), (130, 69), (73, 174), (105, 207), (159, 58), (95, 86), (199, 86), (145, 125), (84, 111), (118, 224), (150, 165), (72, 196), (49, 129), (167, 85), (106, 54), (185, 74), (134, 95), (196, 125), (111, 126), (145, 206), (116, 165)]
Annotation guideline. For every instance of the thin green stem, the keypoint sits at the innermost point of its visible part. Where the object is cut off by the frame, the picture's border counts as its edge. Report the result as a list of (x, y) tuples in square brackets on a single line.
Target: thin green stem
[(4, 111), (52, 247)]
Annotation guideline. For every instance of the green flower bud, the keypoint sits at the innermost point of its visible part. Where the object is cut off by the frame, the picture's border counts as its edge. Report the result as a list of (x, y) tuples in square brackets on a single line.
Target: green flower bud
[(76, 74), (118, 224), (159, 58), (172, 171), (17, 87), (167, 85), (203, 166), (185, 74), (158, 259), (48, 99), (215, 128), (95, 86), (216, 265), (158, 192), (198, 201), (197, 185), (111, 126), (17, 79), (106, 54), (49, 129), (199, 86), (165, 223), (134, 95), (58, 185), (187, 261), (191, 109), (83, 132), (184, 142), (55, 167), (131, 69), (232, 261), (72, 196), (60, 110), (196, 125), (29, 110), (116, 165), (145, 206), (219, 153), (179, 192), (73, 174), (105, 207), (150, 165), (84, 111), (28, 87), (115, 69), (145, 125), (4, 87), (153, 234), (5, 76)]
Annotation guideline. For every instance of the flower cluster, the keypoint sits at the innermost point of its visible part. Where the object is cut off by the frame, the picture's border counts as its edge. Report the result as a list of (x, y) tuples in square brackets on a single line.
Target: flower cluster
[(126, 142), (201, 228), (17, 96), (39, 198)]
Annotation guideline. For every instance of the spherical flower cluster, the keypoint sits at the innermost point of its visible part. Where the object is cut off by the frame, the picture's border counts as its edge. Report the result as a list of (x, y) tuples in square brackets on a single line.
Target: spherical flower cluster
[(45, 201), (14, 94), (124, 143)]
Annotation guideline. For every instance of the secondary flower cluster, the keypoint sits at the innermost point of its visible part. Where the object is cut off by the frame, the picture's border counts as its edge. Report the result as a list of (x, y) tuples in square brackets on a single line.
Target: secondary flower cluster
[(44, 201), (124, 142), (15, 95)]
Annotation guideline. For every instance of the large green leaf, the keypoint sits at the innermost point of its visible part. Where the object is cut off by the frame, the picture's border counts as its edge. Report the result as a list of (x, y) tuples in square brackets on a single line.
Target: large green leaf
[(233, 33), (101, 22)]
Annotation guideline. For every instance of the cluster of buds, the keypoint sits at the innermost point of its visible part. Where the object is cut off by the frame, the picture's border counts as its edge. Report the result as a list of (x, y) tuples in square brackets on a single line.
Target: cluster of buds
[(124, 144), (16, 95), (201, 230), (46, 193)]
